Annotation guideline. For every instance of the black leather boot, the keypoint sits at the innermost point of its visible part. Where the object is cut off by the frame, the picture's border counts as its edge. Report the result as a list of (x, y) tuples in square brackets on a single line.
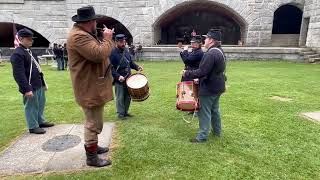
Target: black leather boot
[(37, 131), (92, 156), (101, 150)]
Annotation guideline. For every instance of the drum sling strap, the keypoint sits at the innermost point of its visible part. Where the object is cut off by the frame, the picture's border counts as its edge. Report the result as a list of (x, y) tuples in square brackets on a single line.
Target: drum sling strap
[(224, 59), (37, 66), (121, 61)]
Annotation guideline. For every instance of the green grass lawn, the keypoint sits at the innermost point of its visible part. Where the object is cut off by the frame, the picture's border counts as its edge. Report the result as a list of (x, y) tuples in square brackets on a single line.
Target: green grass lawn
[(262, 138)]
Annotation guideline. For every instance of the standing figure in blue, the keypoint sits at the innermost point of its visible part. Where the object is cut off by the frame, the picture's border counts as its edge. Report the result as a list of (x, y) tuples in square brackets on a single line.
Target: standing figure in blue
[(212, 85), (121, 70), (29, 77), (192, 59)]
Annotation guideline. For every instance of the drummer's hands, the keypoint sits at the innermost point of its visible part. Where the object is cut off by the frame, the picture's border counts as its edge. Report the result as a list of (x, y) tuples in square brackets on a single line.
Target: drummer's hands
[(186, 48), (121, 79), (196, 81), (140, 69), (108, 33), (183, 73)]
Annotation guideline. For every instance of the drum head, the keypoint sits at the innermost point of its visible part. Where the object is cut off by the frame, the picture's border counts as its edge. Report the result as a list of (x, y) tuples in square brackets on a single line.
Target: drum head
[(137, 81)]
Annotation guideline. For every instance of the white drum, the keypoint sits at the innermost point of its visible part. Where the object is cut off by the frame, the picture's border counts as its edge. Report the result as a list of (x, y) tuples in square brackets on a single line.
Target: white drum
[(138, 87)]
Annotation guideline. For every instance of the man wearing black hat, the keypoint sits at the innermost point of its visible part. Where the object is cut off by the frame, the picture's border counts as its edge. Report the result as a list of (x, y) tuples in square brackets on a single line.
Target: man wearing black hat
[(89, 66), (29, 77), (192, 59), (212, 85), (122, 64)]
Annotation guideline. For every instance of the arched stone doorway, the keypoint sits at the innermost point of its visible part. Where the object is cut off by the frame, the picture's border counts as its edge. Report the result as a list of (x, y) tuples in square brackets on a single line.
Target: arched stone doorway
[(7, 35), (119, 28), (178, 23), (286, 26)]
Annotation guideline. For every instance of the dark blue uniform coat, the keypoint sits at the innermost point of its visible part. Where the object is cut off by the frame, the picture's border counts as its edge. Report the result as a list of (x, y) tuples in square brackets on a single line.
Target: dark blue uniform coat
[(21, 62), (191, 60), (210, 73), (123, 69)]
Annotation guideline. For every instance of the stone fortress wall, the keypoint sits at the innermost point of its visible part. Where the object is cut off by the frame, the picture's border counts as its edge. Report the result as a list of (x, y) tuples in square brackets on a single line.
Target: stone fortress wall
[(52, 18)]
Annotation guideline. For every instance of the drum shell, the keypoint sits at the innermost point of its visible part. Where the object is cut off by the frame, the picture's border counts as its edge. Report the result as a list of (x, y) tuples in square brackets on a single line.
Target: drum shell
[(187, 96), (138, 94)]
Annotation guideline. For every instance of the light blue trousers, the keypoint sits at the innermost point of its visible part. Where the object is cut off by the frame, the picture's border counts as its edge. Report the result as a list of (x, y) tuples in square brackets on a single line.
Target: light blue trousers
[(34, 107), (209, 117), (123, 99)]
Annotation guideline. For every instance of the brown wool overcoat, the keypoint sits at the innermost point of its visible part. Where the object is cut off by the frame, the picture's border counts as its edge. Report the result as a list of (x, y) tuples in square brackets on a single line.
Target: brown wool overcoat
[(88, 64)]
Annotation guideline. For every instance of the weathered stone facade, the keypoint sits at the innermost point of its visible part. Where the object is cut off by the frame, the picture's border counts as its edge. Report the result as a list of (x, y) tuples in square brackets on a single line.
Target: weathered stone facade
[(52, 19), (312, 11), (46, 17)]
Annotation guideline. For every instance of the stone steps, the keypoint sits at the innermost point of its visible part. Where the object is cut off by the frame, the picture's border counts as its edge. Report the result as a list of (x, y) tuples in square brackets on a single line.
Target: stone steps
[(303, 53), (311, 55), (316, 49), (314, 60), (285, 40)]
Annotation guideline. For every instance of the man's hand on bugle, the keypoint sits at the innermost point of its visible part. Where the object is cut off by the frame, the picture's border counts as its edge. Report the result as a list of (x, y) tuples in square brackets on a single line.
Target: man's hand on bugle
[(107, 33)]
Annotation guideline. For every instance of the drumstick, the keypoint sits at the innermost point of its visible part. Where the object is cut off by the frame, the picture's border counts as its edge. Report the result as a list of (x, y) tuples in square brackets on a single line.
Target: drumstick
[(142, 67)]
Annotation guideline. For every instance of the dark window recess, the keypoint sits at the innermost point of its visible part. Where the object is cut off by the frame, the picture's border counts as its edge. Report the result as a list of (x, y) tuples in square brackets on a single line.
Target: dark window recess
[(287, 20)]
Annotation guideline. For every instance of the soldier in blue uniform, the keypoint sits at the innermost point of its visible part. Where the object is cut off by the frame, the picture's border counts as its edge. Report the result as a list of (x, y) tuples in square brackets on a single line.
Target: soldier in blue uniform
[(121, 70), (192, 59), (211, 73), (29, 77)]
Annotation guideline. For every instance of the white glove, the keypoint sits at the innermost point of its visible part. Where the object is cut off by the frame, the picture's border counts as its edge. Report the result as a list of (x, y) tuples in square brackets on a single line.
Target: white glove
[(186, 48)]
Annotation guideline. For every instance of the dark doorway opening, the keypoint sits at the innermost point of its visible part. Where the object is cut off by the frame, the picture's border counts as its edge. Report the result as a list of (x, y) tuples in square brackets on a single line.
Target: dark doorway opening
[(177, 24), (287, 20), (7, 35)]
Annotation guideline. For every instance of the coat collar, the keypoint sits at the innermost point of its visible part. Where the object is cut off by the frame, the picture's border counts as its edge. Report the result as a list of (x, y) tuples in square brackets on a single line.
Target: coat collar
[(79, 28)]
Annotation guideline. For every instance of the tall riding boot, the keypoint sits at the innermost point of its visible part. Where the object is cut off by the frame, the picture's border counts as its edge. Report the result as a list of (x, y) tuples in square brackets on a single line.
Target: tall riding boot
[(92, 156), (101, 150)]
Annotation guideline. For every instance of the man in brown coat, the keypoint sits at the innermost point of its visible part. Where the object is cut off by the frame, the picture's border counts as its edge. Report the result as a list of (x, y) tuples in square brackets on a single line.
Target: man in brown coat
[(91, 77)]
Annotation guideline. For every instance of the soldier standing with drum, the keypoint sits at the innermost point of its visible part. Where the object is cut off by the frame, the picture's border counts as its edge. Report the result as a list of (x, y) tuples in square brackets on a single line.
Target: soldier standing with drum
[(122, 64), (212, 85)]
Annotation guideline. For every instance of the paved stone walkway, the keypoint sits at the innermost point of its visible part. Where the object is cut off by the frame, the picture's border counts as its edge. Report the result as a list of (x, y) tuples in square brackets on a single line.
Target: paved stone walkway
[(278, 98), (312, 115), (30, 154)]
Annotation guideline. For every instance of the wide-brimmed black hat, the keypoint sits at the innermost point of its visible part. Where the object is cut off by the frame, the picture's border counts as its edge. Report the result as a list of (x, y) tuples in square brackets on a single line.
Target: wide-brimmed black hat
[(214, 35), (86, 13), (196, 39), (25, 33)]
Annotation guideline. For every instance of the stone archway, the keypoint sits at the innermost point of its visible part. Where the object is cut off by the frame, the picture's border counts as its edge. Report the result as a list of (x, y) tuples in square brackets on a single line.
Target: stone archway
[(178, 22), (286, 26), (113, 23), (7, 35)]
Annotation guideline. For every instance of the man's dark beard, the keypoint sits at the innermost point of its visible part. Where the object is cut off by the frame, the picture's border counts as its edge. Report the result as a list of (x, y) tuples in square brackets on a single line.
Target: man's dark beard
[(121, 47), (94, 32)]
